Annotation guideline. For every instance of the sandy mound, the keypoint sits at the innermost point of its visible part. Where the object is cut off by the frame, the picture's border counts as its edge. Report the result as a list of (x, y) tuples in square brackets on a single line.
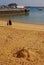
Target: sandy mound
[(26, 54)]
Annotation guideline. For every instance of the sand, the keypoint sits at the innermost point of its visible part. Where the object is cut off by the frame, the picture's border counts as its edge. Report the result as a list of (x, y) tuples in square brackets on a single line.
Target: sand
[(21, 44)]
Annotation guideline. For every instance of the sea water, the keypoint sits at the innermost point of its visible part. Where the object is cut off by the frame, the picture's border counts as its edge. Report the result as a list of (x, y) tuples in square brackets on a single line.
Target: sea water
[(35, 16)]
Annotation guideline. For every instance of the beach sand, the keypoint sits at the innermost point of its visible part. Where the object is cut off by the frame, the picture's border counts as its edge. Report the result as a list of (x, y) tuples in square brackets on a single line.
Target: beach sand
[(21, 44)]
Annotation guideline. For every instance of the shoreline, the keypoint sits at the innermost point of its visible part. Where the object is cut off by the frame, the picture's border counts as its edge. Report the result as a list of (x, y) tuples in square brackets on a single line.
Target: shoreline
[(19, 21), (23, 25)]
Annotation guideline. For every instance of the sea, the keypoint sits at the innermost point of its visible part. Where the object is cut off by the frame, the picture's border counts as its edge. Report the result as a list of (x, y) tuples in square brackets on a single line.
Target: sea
[(36, 15)]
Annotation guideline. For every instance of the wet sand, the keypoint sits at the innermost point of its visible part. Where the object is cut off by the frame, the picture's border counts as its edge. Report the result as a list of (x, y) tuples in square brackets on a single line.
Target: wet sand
[(21, 44)]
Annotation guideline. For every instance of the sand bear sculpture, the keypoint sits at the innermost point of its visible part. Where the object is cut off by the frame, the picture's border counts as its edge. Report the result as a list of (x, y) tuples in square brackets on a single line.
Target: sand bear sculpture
[(27, 54)]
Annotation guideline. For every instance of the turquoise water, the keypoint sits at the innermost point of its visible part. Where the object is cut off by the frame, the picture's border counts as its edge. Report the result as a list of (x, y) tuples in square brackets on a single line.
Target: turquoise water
[(35, 16)]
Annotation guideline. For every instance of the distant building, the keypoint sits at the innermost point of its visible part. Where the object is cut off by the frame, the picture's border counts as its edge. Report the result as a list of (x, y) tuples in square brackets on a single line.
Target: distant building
[(13, 5), (4, 7), (19, 6)]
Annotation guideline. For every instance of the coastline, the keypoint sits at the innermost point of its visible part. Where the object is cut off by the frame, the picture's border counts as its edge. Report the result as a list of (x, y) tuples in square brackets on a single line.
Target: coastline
[(23, 25)]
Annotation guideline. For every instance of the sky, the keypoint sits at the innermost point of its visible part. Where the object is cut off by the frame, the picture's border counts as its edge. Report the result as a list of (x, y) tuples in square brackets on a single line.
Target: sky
[(24, 2)]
